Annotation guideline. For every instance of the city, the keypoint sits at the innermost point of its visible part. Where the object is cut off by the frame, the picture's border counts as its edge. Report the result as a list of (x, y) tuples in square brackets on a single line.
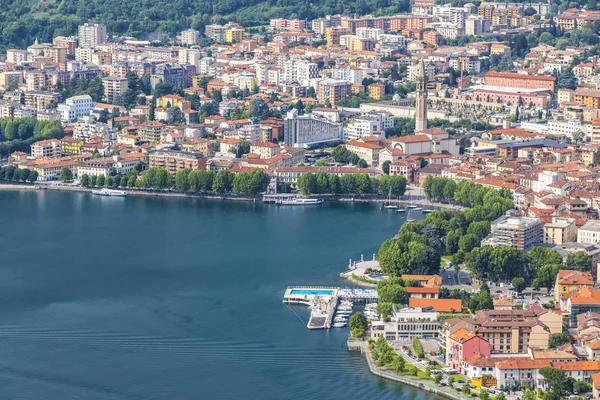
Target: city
[(473, 127)]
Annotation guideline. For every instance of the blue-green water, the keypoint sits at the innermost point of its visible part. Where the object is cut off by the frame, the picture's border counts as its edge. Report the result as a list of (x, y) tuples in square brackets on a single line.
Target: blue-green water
[(148, 298)]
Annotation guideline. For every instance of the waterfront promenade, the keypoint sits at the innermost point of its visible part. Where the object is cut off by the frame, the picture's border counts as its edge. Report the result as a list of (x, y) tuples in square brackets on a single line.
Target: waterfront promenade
[(423, 384)]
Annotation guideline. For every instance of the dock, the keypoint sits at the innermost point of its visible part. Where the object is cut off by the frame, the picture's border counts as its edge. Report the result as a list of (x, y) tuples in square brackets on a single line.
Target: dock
[(323, 301)]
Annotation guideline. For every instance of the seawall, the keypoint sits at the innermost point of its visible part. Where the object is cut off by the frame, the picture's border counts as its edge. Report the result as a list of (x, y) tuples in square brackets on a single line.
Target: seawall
[(426, 385)]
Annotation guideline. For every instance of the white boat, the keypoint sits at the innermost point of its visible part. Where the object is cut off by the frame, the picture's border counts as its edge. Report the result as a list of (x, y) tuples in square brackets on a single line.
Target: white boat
[(371, 305), (349, 309), (417, 209), (344, 312), (388, 205), (427, 211), (301, 202), (411, 206), (340, 319), (401, 210), (410, 220), (339, 324), (110, 192)]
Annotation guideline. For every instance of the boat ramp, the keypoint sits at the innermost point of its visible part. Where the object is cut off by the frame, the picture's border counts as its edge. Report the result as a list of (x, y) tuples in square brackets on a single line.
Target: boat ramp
[(323, 301)]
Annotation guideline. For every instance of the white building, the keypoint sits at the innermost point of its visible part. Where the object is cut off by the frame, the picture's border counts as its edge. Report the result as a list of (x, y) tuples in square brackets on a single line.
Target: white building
[(589, 233), (307, 130), (190, 37), (367, 125), (86, 127), (75, 107), (91, 35)]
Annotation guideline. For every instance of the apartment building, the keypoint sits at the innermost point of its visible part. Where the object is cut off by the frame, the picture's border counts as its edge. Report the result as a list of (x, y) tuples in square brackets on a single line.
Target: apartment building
[(560, 230), (174, 161), (46, 148), (569, 281), (589, 233), (91, 35), (309, 129), (514, 231), (332, 91), (75, 107), (150, 131), (114, 88), (190, 37)]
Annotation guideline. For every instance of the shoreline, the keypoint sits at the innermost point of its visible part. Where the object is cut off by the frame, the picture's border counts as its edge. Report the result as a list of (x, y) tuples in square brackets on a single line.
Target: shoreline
[(232, 197), (425, 385)]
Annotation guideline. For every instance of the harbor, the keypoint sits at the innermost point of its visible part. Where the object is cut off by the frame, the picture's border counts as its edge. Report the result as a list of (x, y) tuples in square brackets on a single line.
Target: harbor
[(330, 307)]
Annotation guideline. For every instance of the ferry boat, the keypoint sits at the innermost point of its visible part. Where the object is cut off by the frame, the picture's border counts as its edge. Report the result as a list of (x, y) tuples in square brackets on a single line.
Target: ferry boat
[(339, 324), (110, 192), (427, 211), (301, 202)]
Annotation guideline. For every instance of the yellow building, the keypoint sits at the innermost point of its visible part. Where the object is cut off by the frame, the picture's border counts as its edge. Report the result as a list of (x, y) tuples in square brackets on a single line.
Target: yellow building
[(376, 90), (560, 230), (70, 145), (587, 97), (569, 281), (500, 48), (234, 35), (172, 100)]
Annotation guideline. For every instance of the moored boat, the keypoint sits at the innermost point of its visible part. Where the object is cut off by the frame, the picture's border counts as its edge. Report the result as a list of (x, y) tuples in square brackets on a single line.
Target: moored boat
[(300, 202), (110, 192)]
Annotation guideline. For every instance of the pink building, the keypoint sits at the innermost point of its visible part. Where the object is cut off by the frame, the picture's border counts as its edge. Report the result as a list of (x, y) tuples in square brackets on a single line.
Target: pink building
[(463, 344), (405, 168), (538, 98)]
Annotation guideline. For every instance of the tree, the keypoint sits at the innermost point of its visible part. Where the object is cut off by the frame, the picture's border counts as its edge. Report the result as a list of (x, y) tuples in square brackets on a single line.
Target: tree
[(100, 180), (466, 389), (519, 284), (17, 175), (25, 174), (556, 379), (578, 138), (385, 166), (358, 321), (181, 180), (394, 294), (540, 256), (223, 182), (580, 261), (108, 182), (437, 378), (558, 339), (65, 174), (362, 164), (546, 276)]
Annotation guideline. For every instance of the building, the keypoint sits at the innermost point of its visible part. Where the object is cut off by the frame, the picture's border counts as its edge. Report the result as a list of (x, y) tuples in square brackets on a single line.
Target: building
[(309, 129), (421, 99), (70, 145), (91, 35), (376, 90), (367, 151), (114, 88), (333, 35), (86, 127), (265, 150), (97, 167), (234, 35), (560, 230), (514, 231), (150, 131), (515, 80), (291, 174), (568, 281), (580, 301), (589, 232), (174, 161), (332, 91), (407, 323), (190, 37), (75, 107), (463, 344), (46, 148)]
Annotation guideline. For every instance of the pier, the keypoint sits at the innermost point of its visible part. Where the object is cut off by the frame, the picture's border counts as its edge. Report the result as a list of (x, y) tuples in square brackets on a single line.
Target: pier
[(323, 301)]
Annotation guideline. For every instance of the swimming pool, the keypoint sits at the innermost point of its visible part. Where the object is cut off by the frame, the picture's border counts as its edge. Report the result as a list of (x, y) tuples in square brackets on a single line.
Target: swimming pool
[(314, 292)]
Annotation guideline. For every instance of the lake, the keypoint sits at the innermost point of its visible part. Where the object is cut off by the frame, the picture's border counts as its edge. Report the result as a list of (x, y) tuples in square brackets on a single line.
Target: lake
[(154, 298)]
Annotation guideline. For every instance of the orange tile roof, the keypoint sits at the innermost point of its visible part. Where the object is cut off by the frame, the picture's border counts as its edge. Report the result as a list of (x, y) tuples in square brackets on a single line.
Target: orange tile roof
[(439, 305), (596, 380), (574, 277), (462, 335), (585, 295), (522, 363), (422, 289), (577, 365)]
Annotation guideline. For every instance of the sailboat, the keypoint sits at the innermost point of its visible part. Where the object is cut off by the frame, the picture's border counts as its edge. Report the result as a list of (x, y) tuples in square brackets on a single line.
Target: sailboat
[(388, 205)]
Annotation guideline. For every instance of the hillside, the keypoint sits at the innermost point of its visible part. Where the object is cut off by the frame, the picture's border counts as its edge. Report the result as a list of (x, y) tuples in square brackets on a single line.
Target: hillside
[(22, 21)]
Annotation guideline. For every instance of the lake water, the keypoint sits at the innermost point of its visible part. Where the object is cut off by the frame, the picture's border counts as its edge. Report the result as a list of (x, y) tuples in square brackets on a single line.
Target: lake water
[(149, 298)]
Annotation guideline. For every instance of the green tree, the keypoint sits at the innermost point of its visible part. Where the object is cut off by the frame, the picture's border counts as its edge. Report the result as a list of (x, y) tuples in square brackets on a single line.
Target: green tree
[(394, 294), (223, 182), (181, 180), (466, 389), (580, 261), (556, 379), (100, 180), (519, 284), (65, 174), (108, 182), (25, 172), (358, 321), (385, 166), (558, 339), (17, 175)]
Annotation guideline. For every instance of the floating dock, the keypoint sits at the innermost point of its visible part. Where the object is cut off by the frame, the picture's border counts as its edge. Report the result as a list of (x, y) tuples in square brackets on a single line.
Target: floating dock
[(323, 301)]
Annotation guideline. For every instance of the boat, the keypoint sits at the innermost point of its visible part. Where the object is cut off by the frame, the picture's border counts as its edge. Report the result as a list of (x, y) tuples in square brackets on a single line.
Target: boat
[(110, 192), (339, 324), (340, 319), (411, 206), (401, 210), (410, 220), (301, 202), (370, 305), (344, 308), (427, 211), (344, 312), (388, 205)]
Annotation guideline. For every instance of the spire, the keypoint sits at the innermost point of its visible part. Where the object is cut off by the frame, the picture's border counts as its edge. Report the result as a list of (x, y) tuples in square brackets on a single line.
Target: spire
[(421, 71)]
